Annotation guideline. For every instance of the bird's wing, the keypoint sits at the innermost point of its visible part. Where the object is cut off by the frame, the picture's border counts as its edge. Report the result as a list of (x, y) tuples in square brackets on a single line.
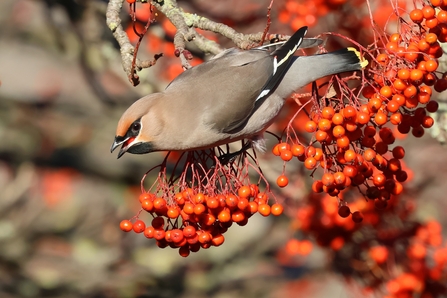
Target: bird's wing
[(228, 89), (225, 88)]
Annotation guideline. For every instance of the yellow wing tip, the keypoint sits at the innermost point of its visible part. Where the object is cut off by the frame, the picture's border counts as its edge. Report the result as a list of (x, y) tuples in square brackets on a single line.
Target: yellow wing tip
[(363, 61)]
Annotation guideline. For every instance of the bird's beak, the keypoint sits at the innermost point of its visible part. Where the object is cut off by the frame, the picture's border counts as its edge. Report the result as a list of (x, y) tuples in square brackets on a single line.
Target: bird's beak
[(118, 141)]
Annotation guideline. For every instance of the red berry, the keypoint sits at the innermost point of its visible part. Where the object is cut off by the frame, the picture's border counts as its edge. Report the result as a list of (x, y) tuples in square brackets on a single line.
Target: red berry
[(126, 225)]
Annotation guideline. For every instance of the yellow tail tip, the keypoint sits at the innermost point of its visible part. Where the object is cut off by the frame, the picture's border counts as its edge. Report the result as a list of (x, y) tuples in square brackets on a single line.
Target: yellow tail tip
[(363, 61)]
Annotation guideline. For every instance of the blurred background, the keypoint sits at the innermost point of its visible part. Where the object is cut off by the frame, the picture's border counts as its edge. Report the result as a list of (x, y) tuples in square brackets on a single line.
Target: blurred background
[(62, 194)]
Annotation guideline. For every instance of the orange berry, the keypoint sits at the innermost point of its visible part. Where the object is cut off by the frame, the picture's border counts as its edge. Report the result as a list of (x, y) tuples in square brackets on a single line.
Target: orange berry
[(264, 209), (179, 199), (380, 118), (327, 179), (349, 155), (253, 207), (431, 65), (310, 151), (159, 234), (244, 191), (337, 119), (427, 122), (173, 212), (218, 240), (286, 155), (188, 208), (412, 54), (277, 209), (199, 198), (379, 179), (283, 146), (338, 131), (423, 45), (395, 37), (349, 112), (369, 154), (343, 142), (275, 150), (428, 12), (431, 38), (189, 231), (224, 215), (126, 225), (374, 105), (431, 23), (362, 118), (310, 163), (410, 91), (386, 91), (212, 203), (199, 209), (383, 58), (318, 154), (204, 237), (442, 16), (339, 178), (310, 126), (297, 150), (147, 205), (242, 203), (149, 232), (283, 181), (327, 113), (399, 98), (160, 204), (324, 124), (396, 118), (392, 106), (231, 201), (416, 15), (394, 165), (321, 136), (391, 46), (399, 84), (403, 74), (238, 216), (145, 196)]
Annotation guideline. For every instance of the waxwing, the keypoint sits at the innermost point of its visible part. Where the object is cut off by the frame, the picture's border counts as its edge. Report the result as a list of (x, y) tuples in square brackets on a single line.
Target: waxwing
[(234, 96)]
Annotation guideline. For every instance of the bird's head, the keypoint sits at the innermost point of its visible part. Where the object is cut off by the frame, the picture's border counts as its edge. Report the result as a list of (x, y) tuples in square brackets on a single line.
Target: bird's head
[(138, 127)]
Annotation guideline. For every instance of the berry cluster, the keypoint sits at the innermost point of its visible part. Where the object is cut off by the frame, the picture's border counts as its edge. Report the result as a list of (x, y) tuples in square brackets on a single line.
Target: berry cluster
[(306, 13), (391, 247), (196, 214), (354, 131)]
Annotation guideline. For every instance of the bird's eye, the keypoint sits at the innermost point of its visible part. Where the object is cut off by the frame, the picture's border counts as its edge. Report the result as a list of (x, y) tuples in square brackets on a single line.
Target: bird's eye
[(136, 127)]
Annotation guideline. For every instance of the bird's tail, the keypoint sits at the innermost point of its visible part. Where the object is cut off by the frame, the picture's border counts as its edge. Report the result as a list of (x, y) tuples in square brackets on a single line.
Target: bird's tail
[(306, 69), (347, 59)]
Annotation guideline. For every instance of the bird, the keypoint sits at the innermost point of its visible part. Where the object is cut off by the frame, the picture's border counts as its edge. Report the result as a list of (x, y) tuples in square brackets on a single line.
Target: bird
[(234, 96)]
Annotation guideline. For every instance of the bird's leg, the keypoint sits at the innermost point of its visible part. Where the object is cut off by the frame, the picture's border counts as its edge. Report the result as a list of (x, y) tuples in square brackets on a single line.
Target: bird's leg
[(224, 159)]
